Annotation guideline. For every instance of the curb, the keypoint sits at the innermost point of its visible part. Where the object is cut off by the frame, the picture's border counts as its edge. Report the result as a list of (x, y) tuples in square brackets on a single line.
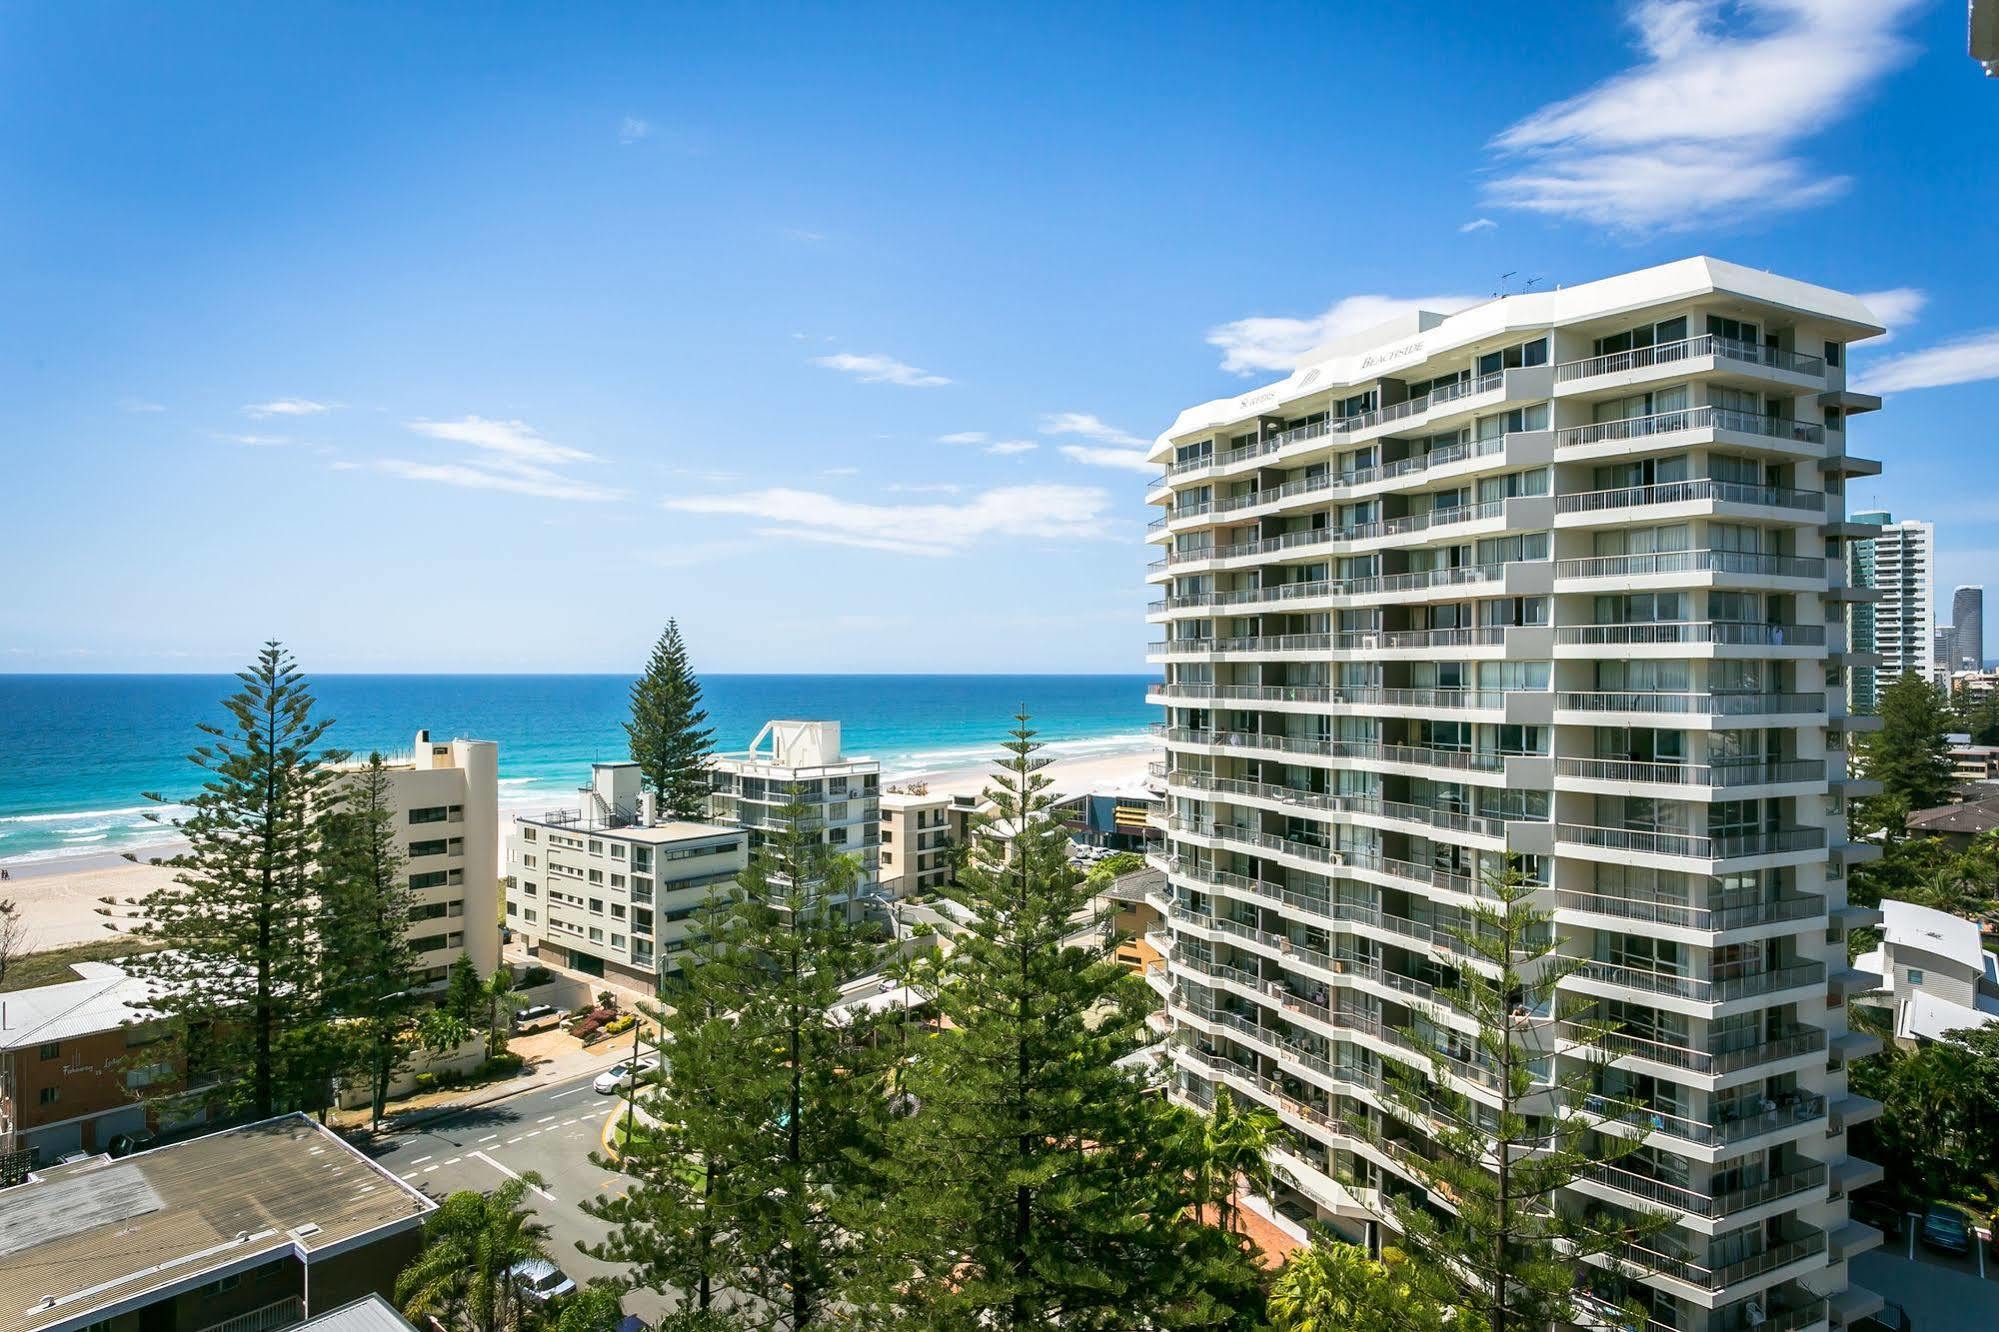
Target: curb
[(418, 1118)]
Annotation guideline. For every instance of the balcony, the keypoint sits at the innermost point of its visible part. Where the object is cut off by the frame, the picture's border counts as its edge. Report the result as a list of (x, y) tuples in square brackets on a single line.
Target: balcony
[(1713, 1062), (1634, 1184), (1700, 490), (1387, 527), (1729, 846), (1688, 349), (1712, 989), (1342, 912), (1690, 418), (1328, 695), (1693, 561), (1728, 633), (1706, 705), (1706, 919), (1456, 760), (1745, 772), (1395, 640), (1680, 1268)]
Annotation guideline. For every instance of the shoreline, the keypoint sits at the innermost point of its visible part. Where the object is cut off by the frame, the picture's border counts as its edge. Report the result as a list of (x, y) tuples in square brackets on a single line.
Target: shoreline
[(68, 900)]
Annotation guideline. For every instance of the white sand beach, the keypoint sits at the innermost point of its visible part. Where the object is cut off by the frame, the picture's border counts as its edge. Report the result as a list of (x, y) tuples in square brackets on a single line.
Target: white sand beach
[(62, 900)]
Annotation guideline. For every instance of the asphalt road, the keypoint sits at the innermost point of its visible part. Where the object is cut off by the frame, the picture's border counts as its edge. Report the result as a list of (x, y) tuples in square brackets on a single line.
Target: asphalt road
[(550, 1131)]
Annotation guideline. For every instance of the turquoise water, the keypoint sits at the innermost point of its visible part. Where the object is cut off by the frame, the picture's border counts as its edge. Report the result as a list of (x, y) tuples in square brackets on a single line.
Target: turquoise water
[(76, 751)]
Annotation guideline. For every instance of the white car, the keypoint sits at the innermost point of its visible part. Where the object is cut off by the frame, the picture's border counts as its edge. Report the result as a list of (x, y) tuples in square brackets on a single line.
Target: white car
[(540, 1279), (621, 1077)]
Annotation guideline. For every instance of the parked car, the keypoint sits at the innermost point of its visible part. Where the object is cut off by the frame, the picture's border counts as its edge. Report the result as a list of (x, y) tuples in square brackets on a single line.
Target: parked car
[(536, 1016), (124, 1144), (1944, 1229), (539, 1279), (621, 1076)]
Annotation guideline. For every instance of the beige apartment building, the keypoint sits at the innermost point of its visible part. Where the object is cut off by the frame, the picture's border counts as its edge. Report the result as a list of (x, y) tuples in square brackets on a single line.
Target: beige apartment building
[(1557, 578), (607, 888), (915, 843), (447, 801)]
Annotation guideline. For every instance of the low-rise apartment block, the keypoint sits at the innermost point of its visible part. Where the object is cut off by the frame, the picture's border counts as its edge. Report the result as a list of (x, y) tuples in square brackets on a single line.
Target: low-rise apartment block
[(447, 800), (607, 889), (1935, 974), (801, 761), (253, 1228), (915, 842)]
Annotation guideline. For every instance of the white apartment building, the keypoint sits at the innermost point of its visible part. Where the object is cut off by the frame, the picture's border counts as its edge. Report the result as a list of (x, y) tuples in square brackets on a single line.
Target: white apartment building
[(607, 889), (447, 801), (1933, 973), (915, 843), (802, 760), (1559, 577), (1905, 614)]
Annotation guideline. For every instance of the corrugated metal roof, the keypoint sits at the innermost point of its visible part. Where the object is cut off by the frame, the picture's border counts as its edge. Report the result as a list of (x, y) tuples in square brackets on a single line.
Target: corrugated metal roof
[(370, 1313), (104, 1000)]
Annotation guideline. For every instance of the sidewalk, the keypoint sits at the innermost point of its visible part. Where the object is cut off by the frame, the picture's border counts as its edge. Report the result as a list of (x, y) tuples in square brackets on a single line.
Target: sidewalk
[(553, 1057)]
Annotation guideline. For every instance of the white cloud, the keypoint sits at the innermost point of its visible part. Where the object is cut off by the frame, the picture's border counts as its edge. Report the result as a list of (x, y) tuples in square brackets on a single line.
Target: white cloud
[(1089, 427), (257, 441), (1896, 308), (285, 407), (1478, 224), (634, 129), (839, 471), (1005, 447), (512, 477), (1264, 343), (964, 437), (136, 406), (1130, 459), (1702, 129), (1963, 360), (509, 439), (877, 369), (925, 488), (1040, 512)]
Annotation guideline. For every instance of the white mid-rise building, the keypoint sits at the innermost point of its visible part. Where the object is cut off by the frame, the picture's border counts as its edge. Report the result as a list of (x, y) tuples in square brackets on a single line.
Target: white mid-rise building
[(801, 761), (1904, 563), (446, 795), (1558, 578), (915, 843), (608, 889)]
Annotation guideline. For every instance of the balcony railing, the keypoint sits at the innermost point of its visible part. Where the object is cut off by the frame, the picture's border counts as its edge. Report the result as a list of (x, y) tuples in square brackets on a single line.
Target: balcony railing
[(1343, 911), (1415, 522), (1690, 418), (1686, 349), (1745, 772), (1681, 1268), (1367, 750), (1692, 561), (1361, 476), (1334, 695), (1728, 846), (1710, 919), (287, 1312), (1710, 705), (1706, 990), (1688, 492), (1727, 632)]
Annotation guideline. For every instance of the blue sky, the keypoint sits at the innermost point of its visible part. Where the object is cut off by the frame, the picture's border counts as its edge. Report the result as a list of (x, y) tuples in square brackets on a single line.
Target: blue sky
[(486, 338)]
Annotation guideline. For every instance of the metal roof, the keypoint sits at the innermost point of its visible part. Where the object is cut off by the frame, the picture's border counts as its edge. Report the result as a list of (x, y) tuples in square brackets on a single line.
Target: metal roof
[(370, 1313), (105, 999)]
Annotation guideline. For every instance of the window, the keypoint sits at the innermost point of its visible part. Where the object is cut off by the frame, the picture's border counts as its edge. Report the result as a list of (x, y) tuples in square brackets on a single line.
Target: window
[(434, 848), (529, 888), (596, 876), (429, 879), (50, 1095), (429, 814), (596, 847), (431, 911), (617, 850), (513, 907), (596, 935), (530, 915), (429, 943), (527, 834), (1915, 976), (53, 1050), (1833, 351), (596, 906)]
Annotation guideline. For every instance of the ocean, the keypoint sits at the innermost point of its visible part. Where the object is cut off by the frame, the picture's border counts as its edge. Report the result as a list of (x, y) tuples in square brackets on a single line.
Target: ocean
[(78, 751)]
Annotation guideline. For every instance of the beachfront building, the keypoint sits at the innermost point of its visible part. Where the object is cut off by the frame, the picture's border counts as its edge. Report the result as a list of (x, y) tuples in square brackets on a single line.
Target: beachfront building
[(915, 842), (1904, 555), (607, 889), (801, 761), (1555, 580), (447, 800)]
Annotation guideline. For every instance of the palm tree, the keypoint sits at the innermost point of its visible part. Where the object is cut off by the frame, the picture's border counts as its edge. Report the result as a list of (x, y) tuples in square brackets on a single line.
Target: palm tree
[(463, 1276), (1333, 1286), (1234, 1141), (501, 1002)]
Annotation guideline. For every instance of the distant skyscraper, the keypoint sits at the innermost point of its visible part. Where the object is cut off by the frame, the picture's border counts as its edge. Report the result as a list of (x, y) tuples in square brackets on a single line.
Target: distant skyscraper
[(1905, 617), (1967, 618), (1943, 653), (1862, 686)]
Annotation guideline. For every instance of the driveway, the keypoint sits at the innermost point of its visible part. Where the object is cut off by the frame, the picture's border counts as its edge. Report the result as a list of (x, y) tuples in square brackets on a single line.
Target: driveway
[(1941, 1293)]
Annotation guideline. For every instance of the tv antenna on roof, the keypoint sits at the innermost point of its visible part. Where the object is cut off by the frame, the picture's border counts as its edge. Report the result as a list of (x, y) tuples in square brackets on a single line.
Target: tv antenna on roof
[(1502, 282)]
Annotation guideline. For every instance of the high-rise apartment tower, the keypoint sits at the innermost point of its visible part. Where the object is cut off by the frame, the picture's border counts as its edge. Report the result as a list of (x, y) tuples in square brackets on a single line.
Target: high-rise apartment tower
[(1558, 578)]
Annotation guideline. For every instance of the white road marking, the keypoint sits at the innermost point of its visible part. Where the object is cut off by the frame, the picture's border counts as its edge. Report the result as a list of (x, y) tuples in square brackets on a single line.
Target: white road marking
[(490, 1137), (544, 1119), (411, 1175), (428, 1169), (512, 1141), (532, 1133), (571, 1092), (454, 1160), (538, 1191), (420, 1160)]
